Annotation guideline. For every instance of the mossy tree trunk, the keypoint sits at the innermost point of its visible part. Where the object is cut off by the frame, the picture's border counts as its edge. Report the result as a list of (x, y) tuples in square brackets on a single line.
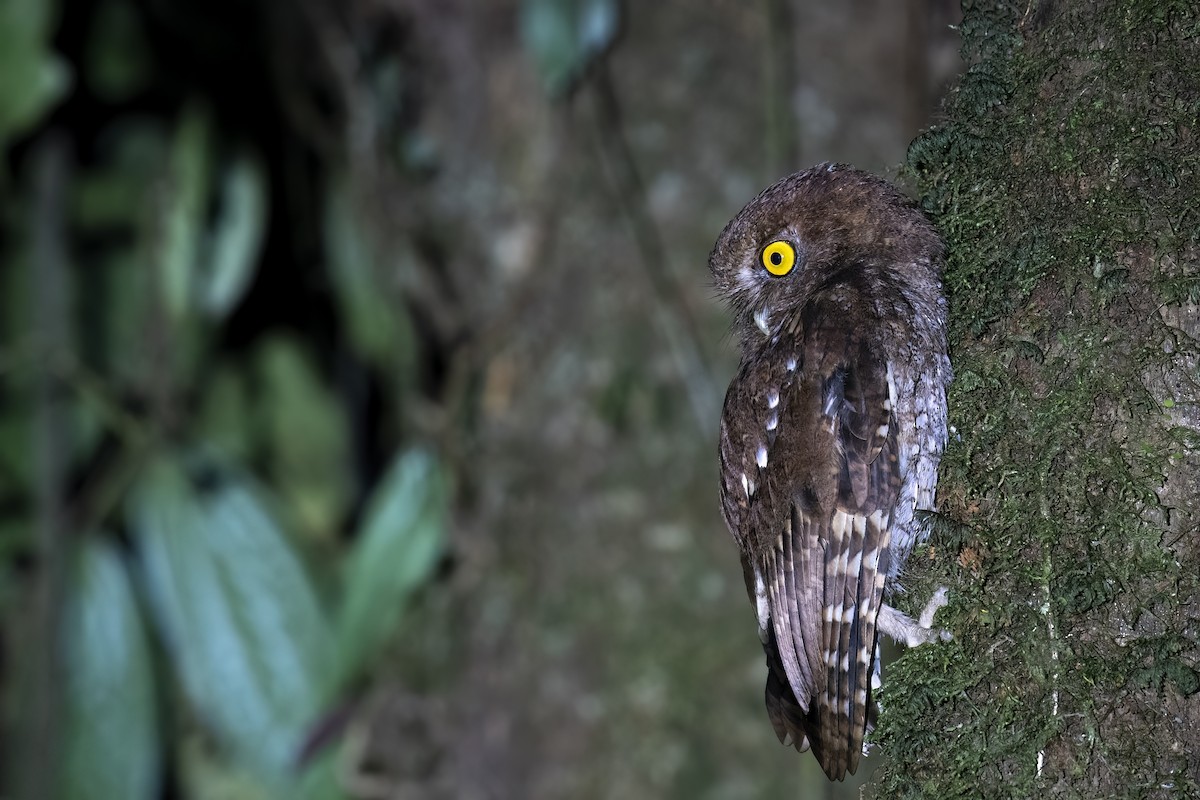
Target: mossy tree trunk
[(1065, 179)]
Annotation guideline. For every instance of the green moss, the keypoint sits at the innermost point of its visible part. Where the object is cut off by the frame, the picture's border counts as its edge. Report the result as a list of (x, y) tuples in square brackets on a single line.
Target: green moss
[(1065, 180)]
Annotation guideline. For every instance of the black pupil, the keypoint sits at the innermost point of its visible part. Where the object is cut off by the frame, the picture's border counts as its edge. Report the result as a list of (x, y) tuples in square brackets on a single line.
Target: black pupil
[(776, 259)]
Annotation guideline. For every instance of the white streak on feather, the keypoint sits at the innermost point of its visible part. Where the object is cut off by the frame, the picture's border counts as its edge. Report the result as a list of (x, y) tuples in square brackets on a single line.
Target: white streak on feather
[(830, 404), (871, 560), (890, 403), (762, 606), (761, 320)]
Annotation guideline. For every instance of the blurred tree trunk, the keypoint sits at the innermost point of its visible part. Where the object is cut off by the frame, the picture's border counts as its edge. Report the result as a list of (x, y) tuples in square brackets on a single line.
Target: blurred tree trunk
[(1065, 181)]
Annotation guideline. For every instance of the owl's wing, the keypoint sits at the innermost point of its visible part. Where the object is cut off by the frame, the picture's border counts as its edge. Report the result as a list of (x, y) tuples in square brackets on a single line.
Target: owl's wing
[(835, 459), (757, 506)]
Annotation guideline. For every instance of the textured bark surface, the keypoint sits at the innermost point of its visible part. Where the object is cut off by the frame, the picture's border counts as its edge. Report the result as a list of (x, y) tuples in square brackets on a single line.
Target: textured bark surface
[(1065, 180)]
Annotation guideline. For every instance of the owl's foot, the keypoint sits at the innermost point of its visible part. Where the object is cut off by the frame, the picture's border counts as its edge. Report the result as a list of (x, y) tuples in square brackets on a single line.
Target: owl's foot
[(912, 632)]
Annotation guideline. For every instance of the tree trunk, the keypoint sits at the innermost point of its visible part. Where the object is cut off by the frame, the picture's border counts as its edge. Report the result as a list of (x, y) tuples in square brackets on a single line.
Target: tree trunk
[(1065, 181)]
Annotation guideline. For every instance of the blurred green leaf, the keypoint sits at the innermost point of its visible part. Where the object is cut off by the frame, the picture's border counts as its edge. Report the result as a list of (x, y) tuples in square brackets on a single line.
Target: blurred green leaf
[(16, 437), (225, 420), (306, 436), (32, 77), (113, 747), (120, 201), (237, 235), (322, 780), (565, 36), (16, 313), (186, 200), (122, 188), (372, 312), (17, 358), (16, 538), (107, 198), (236, 609), (204, 775), (394, 553), (118, 64), (125, 288)]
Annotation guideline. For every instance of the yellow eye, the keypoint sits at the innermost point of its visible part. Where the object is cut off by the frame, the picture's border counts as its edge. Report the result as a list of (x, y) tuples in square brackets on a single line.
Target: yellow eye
[(779, 258)]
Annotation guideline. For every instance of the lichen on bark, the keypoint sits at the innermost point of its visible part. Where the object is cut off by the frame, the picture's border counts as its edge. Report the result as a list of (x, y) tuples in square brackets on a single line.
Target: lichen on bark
[(1065, 180)]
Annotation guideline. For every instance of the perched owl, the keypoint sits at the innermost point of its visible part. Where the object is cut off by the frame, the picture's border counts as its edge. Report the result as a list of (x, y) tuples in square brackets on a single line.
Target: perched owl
[(830, 436)]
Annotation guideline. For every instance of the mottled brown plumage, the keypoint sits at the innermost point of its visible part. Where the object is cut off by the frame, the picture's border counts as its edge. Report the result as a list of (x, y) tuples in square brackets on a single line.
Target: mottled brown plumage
[(830, 434)]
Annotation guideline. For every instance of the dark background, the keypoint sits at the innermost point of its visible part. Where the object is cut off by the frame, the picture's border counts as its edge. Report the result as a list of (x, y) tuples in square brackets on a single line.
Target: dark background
[(359, 382)]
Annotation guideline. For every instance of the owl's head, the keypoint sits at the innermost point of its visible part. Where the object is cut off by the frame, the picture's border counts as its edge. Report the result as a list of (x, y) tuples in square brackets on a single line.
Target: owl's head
[(827, 224)]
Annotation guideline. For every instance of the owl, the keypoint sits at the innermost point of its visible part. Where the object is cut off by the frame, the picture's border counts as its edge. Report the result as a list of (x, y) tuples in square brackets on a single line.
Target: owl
[(830, 436)]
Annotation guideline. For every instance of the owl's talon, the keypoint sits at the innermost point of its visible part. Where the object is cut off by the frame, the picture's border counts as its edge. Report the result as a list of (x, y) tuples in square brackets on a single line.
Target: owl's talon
[(938, 601), (913, 632)]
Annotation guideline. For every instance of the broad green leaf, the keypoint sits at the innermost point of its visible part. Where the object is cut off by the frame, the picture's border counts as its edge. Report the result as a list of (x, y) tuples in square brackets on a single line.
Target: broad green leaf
[(306, 437), (112, 740), (224, 420), (17, 469), (16, 288), (119, 192), (565, 36), (393, 554), (124, 287), (118, 61), (15, 540), (369, 304), (108, 197), (204, 775), (237, 236), (32, 77), (184, 208), (322, 780), (237, 612)]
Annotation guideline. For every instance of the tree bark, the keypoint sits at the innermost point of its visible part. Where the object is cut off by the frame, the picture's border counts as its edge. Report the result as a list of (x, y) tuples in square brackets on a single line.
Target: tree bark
[(1065, 181)]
